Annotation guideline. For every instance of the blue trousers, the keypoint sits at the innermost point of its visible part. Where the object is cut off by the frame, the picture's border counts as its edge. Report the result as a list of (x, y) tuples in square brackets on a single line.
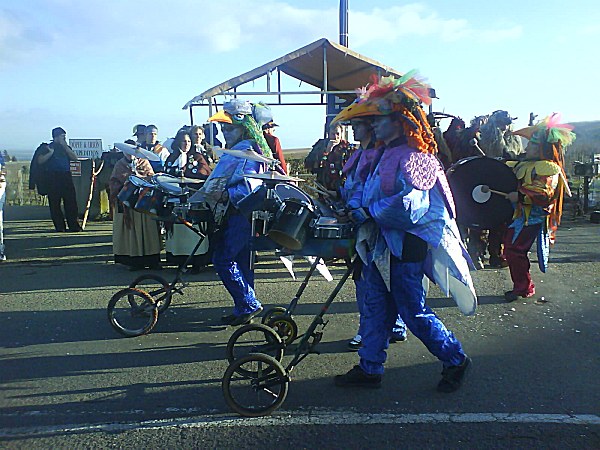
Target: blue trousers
[(407, 298), (231, 259), (398, 328)]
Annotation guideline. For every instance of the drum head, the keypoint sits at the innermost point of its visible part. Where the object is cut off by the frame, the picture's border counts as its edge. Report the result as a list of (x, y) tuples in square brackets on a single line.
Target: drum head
[(472, 209), (285, 191), (168, 184)]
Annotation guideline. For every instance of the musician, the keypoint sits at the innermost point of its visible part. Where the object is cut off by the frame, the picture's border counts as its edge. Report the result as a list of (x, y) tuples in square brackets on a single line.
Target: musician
[(200, 146), (407, 229), (136, 238), (156, 147), (538, 201), (354, 173), (241, 127), (186, 161)]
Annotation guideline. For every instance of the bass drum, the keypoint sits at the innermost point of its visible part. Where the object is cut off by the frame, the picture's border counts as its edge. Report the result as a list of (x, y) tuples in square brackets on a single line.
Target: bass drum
[(466, 177)]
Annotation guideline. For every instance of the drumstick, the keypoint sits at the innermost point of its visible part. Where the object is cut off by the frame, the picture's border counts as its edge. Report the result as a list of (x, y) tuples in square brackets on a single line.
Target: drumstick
[(485, 189), (318, 191)]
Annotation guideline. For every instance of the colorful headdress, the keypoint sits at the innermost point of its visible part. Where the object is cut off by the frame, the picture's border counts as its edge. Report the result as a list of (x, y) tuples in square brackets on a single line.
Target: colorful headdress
[(388, 95), (248, 115), (552, 136)]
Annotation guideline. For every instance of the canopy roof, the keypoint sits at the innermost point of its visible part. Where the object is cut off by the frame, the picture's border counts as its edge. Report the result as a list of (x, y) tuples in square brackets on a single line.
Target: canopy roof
[(332, 68)]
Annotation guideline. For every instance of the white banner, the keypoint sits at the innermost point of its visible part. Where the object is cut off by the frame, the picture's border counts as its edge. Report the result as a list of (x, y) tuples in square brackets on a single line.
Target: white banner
[(86, 148)]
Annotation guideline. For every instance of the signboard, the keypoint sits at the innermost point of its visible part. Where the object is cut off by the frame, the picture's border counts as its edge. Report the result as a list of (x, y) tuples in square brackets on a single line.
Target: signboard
[(86, 148), (75, 168)]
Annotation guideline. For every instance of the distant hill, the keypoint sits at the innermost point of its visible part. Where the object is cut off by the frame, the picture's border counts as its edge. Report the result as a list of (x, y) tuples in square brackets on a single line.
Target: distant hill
[(587, 142)]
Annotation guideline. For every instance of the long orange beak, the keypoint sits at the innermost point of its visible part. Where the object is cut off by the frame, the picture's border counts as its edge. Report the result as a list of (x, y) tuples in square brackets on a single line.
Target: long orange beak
[(221, 116), (357, 110)]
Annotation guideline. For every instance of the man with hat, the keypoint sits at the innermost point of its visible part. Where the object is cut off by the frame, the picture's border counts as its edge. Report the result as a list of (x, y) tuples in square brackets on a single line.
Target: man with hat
[(405, 215), (139, 131), (55, 158), (241, 124)]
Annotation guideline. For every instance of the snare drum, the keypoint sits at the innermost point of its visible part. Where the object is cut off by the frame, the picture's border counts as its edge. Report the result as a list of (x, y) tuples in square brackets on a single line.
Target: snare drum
[(196, 212), (130, 191), (292, 223)]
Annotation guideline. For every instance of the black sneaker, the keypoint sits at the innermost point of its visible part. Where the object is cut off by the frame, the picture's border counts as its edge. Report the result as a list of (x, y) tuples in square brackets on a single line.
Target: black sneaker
[(245, 318), (356, 377), (452, 377)]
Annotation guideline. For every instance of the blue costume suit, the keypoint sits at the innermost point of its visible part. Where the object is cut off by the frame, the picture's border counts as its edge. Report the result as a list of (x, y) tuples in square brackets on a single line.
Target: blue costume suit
[(231, 257), (352, 184), (418, 219)]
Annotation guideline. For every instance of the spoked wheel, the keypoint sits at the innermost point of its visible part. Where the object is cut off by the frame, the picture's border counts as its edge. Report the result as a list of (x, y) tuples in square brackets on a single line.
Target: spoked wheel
[(157, 287), (254, 338), (285, 327), (132, 312), (272, 312), (258, 394)]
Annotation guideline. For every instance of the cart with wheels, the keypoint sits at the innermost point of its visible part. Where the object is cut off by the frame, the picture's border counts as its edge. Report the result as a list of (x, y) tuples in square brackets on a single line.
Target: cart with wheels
[(256, 383)]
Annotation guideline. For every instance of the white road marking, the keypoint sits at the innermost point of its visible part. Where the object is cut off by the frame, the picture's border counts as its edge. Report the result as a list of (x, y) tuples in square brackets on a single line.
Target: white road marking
[(320, 417)]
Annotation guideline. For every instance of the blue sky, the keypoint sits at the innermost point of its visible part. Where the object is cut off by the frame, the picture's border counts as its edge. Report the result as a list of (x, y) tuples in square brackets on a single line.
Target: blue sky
[(98, 67)]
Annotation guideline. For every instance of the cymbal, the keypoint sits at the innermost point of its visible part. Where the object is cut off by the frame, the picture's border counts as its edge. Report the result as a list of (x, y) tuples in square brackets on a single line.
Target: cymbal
[(138, 152), (271, 175), (245, 154), (171, 179)]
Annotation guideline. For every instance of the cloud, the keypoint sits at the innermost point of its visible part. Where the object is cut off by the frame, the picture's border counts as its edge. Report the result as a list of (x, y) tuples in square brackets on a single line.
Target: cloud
[(19, 38), (418, 21)]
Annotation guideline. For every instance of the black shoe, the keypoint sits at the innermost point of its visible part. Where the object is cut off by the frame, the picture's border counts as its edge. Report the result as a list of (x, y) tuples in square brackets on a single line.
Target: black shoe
[(356, 377), (452, 377), (245, 318), (75, 230)]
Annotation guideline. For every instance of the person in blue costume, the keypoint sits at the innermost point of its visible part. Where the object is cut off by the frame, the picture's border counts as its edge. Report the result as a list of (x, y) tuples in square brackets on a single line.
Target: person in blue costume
[(354, 172), (405, 215), (241, 124)]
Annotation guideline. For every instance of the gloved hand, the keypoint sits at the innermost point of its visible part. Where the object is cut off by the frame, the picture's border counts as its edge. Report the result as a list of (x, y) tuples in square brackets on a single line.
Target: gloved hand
[(359, 215)]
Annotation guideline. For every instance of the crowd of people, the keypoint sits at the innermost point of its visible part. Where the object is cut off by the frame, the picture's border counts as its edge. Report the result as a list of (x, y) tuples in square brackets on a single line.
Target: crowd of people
[(391, 185)]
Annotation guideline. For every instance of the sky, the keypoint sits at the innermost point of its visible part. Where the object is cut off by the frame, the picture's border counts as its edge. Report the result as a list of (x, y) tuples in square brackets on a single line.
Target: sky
[(98, 67)]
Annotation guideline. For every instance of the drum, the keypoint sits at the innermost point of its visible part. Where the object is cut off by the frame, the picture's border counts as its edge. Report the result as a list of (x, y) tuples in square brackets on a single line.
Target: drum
[(330, 228), (285, 191), (195, 212), (150, 201), (466, 177), (292, 223), (128, 195), (258, 200), (169, 184)]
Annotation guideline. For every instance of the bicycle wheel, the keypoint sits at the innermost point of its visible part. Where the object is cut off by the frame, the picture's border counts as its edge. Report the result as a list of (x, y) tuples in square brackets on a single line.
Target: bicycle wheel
[(272, 312), (157, 287), (132, 312), (254, 338), (285, 327), (259, 394)]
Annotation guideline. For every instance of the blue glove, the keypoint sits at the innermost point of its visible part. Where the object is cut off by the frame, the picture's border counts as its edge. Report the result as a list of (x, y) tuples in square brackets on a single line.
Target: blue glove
[(359, 215)]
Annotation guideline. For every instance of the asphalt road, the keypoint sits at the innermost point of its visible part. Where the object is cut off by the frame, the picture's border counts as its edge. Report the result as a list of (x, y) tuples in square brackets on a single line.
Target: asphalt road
[(68, 380)]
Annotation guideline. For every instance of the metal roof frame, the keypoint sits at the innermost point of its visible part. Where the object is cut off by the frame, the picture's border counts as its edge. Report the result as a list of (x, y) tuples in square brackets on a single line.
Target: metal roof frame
[(331, 68)]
